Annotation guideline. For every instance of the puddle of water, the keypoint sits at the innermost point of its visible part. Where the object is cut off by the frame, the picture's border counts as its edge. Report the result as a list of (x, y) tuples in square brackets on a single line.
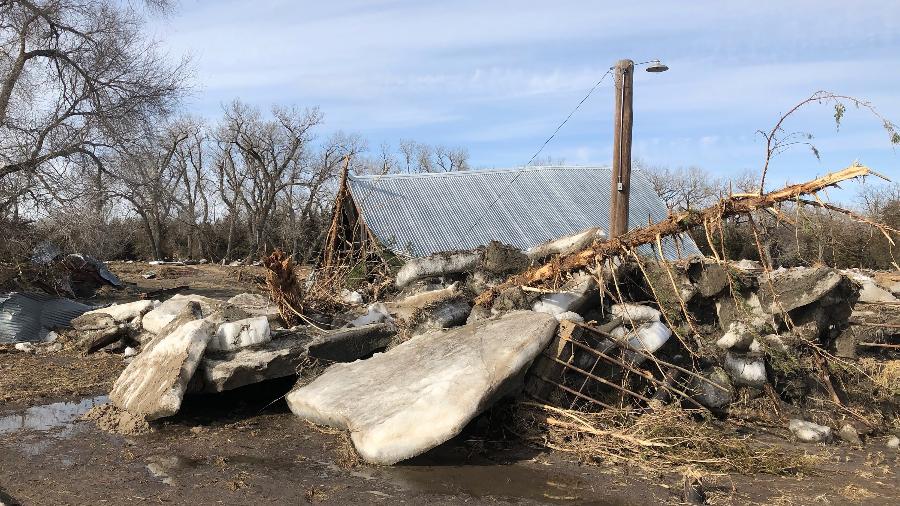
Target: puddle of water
[(49, 416), (513, 481)]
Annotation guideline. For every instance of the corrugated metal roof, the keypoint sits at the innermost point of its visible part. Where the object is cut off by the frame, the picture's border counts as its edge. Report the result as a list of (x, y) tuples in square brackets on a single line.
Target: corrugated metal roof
[(421, 214), (31, 316)]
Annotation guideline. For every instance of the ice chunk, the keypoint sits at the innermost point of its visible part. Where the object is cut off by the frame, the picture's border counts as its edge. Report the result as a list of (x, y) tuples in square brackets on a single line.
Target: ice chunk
[(241, 333)]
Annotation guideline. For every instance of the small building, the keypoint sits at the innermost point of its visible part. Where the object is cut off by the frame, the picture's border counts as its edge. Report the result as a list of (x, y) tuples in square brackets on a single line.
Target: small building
[(416, 215)]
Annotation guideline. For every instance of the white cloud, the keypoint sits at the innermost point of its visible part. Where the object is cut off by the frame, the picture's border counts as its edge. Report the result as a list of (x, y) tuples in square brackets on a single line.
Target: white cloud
[(709, 140)]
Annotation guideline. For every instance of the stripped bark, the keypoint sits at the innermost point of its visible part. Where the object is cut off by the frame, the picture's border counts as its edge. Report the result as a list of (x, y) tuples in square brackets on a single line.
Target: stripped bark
[(673, 225)]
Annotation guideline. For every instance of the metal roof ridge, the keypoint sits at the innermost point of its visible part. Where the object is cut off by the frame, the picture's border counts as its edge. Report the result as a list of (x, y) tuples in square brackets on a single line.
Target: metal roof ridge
[(463, 173)]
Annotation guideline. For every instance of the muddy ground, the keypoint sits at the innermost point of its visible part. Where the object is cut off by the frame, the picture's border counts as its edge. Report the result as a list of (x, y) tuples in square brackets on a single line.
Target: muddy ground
[(240, 449), (210, 280), (245, 447)]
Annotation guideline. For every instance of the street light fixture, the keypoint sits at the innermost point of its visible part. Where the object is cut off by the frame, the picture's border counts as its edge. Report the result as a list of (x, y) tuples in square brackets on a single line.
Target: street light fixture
[(655, 66), (624, 119)]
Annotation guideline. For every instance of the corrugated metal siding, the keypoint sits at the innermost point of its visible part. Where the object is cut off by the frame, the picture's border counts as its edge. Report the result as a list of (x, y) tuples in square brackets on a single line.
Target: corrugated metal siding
[(421, 214), (30, 316)]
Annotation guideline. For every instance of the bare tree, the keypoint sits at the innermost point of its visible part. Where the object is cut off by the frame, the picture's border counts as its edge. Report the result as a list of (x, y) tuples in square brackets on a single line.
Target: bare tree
[(421, 157), (779, 140), (193, 196), (76, 77), (231, 182), (746, 181), (424, 158), (548, 161), (147, 178), (269, 156), (307, 200), (386, 162), (877, 200), (408, 155), (450, 159), (683, 188)]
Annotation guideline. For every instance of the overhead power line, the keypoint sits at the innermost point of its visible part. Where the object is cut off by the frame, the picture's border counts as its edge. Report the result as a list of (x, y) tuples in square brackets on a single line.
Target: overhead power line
[(538, 152)]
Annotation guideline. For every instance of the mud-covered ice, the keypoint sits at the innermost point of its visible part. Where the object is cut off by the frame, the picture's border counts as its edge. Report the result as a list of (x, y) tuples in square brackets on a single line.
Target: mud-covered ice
[(446, 379)]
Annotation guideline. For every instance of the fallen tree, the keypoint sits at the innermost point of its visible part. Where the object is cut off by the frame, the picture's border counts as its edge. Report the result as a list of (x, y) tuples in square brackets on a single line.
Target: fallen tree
[(673, 225)]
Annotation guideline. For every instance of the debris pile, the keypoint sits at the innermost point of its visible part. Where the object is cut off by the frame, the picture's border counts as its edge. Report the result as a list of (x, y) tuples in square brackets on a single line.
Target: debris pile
[(601, 344), (70, 275), (619, 341), (37, 299), (730, 339), (193, 344)]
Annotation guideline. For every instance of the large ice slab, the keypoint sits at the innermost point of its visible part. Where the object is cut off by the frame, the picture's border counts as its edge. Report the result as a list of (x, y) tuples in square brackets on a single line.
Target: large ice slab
[(418, 395), (127, 311), (154, 383), (240, 334), (227, 370)]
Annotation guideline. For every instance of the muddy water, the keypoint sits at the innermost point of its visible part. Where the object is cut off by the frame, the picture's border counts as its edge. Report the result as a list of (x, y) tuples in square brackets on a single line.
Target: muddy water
[(451, 470), (510, 481), (483, 481), (59, 415)]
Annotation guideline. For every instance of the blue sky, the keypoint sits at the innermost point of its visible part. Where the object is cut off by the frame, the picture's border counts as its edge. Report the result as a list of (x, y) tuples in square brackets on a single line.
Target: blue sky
[(497, 77)]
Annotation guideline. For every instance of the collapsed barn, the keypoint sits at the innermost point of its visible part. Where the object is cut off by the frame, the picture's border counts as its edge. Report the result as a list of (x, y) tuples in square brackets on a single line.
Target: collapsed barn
[(416, 215)]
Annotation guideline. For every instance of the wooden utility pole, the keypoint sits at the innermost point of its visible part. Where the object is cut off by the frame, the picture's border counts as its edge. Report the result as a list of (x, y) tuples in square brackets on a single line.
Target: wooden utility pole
[(621, 166)]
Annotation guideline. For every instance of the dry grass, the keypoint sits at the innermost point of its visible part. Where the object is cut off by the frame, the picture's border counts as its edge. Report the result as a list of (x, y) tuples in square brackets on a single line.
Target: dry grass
[(668, 436), (209, 279), (27, 378), (344, 453), (885, 374), (855, 493)]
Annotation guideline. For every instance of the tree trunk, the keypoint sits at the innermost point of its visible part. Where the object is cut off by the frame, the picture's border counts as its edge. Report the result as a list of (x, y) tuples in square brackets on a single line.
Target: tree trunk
[(159, 239), (148, 229), (230, 237), (99, 201)]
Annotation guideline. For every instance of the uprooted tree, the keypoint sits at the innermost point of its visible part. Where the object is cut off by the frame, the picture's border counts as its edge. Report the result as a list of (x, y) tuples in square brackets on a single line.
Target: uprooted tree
[(673, 225)]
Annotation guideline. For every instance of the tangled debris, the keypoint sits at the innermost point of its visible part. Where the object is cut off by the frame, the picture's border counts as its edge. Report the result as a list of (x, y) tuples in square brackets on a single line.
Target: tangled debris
[(673, 225), (667, 436), (285, 286), (747, 338), (51, 271)]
